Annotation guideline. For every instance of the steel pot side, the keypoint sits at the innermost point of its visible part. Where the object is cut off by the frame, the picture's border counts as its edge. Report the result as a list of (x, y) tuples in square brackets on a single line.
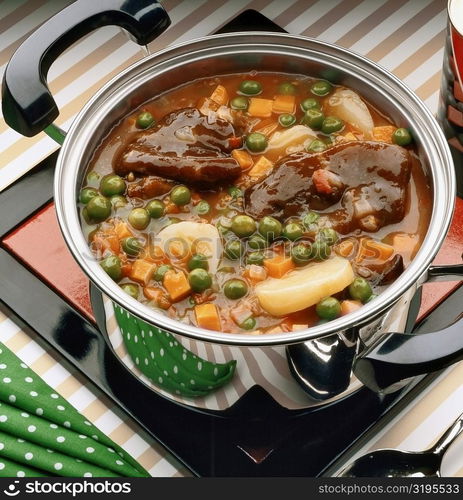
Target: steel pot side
[(243, 52)]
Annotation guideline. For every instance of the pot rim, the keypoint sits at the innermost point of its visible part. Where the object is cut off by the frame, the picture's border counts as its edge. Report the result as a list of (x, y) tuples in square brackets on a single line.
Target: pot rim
[(435, 146)]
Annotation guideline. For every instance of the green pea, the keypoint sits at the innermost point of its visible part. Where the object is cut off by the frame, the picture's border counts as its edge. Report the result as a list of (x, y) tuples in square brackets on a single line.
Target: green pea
[(112, 184), (139, 218), (203, 207), (250, 87), (301, 254), (161, 272), (320, 250), (332, 124), (112, 266), (131, 289), (99, 208), (316, 146), (235, 289), (256, 142), (243, 225), (310, 103), (402, 137), (329, 235), (198, 261), (256, 258), (131, 246), (293, 231), (200, 280), (328, 308), (270, 228), (145, 120), (360, 289), (93, 177), (310, 219), (235, 192), (286, 88), (313, 118), (234, 249), (240, 103), (155, 208), (87, 194), (249, 323), (257, 242), (286, 120), (321, 88), (180, 195), (118, 201)]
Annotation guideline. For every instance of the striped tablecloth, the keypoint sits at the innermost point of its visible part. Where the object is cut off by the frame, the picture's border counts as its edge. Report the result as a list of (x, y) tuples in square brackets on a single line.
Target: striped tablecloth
[(406, 37)]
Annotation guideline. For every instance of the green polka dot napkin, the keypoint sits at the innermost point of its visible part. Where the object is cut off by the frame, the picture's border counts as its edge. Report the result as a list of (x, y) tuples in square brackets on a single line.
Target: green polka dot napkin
[(41, 434)]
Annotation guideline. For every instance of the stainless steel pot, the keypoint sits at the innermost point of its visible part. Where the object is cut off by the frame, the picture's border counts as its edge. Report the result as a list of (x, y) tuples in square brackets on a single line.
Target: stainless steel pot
[(28, 107)]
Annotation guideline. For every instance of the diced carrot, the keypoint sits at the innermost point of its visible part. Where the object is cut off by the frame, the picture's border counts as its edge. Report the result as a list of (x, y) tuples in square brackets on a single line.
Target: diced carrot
[(348, 306), (278, 266), (373, 251), (177, 286), (405, 244), (220, 95), (106, 241), (243, 158), (171, 208), (383, 133), (142, 271), (284, 104), (122, 230), (126, 269), (156, 294), (320, 178), (208, 317), (345, 248), (261, 168), (235, 142), (260, 107)]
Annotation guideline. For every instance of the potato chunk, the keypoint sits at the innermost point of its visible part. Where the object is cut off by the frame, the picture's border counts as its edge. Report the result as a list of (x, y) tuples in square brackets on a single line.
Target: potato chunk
[(304, 287)]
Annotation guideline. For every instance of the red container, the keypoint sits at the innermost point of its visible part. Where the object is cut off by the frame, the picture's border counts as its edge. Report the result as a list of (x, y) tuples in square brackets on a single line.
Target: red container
[(450, 113)]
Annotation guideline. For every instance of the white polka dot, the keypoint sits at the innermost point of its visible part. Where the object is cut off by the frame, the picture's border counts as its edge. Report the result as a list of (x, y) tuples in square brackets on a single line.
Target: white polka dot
[(128, 335), (12, 398), (135, 339), (20, 473), (24, 414), (61, 439), (2, 366), (150, 333), (86, 422), (137, 361), (142, 334), (58, 466), (3, 418), (192, 382), (171, 344), (21, 441), (111, 450), (88, 474), (2, 466), (2, 446), (89, 449), (147, 361), (60, 408), (7, 380), (67, 424), (82, 436), (184, 357), (32, 428), (160, 379), (23, 365), (119, 462), (166, 373), (78, 460), (175, 369), (33, 394), (54, 395), (39, 411), (200, 366), (95, 437), (161, 352), (29, 380), (50, 451), (216, 371), (53, 426), (29, 456)]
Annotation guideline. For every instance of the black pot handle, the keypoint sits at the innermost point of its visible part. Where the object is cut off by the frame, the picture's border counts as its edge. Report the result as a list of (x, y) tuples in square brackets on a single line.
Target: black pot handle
[(27, 104), (399, 356)]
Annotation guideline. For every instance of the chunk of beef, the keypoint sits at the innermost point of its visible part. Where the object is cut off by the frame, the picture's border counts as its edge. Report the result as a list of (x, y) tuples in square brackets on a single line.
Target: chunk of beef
[(185, 146), (365, 183), (149, 187)]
